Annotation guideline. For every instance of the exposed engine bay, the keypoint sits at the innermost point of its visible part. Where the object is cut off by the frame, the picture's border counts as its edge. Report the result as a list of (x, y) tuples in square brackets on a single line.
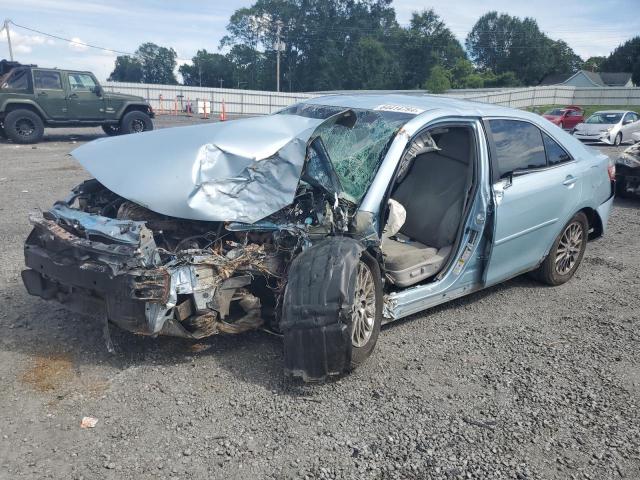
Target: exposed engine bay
[(187, 278)]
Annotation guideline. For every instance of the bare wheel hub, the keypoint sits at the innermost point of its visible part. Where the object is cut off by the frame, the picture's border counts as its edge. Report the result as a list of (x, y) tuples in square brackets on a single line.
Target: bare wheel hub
[(569, 248), (364, 307)]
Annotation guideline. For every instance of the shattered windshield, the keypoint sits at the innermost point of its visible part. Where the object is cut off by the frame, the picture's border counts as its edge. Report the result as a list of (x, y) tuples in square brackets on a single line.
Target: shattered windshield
[(355, 148)]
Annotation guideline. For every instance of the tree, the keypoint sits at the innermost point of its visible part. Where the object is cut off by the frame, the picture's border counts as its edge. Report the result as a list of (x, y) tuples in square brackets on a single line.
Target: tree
[(438, 81), (207, 69), (593, 64), (151, 64), (127, 69), (502, 43), (427, 42), (625, 58)]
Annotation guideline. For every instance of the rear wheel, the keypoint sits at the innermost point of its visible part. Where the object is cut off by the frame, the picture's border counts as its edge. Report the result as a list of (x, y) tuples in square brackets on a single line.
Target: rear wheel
[(366, 317), (111, 130), (618, 140), (136, 122), (24, 126), (566, 253)]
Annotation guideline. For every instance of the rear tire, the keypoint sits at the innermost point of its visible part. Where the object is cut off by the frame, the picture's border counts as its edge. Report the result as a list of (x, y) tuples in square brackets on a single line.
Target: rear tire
[(136, 122), (367, 310), (566, 253), (111, 130), (24, 126)]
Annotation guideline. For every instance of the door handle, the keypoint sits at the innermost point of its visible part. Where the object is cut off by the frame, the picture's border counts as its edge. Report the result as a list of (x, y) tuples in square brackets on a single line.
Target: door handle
[(42, 94), (73, 95), (570, 180)]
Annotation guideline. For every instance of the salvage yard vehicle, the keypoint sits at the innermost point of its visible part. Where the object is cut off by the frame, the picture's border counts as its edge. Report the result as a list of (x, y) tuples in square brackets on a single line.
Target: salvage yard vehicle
[(566, 118), (33, 98), (320, 222), (628, 172), (612, 127)]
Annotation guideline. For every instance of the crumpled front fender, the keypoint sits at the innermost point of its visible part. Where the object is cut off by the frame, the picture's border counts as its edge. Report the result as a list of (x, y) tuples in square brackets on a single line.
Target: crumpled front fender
[(317, 309)]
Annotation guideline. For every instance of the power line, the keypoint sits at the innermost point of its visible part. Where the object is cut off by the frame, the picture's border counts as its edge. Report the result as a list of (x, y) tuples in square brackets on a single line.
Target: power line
[(74, 42)]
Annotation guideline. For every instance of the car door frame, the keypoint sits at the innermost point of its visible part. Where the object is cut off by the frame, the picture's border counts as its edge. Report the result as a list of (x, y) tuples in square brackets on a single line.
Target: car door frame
[(463, 272), (629, 128), (499, 188)]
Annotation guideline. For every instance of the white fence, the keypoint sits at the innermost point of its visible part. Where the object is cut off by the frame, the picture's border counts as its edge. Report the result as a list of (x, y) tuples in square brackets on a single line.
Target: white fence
[(552, 95), (171, 98)]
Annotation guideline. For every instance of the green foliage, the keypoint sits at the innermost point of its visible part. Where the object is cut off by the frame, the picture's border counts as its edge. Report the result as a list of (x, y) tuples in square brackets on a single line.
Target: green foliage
[(438, 81), (207, 70), (625, 58), (502, 43), (593, 64), (151, 64)]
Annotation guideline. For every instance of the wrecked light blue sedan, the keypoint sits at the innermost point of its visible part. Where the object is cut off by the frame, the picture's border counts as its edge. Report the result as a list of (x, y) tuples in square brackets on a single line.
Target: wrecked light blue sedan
[(319, 223)]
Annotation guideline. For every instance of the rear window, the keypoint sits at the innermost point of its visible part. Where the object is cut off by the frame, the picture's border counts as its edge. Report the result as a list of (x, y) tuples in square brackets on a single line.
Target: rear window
[(15, 80), (518, 146)]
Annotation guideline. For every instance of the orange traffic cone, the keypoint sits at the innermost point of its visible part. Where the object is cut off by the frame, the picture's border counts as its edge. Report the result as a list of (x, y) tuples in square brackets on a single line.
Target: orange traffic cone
[(223, 113), (205, 116)]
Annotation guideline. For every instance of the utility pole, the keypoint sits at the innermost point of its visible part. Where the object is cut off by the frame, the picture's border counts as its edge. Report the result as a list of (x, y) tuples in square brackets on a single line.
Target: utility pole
[(221, 82), (6, 28), (278, 50)]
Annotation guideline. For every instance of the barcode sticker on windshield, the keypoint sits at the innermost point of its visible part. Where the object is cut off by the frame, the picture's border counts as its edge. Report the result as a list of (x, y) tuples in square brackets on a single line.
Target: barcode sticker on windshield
[(387, 107)]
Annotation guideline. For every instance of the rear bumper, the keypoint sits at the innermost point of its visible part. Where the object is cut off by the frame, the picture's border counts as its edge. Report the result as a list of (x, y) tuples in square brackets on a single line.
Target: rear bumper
[(603, 212)]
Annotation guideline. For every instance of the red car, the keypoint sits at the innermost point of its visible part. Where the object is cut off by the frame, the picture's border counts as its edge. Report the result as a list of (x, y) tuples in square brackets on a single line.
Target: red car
[(567, 117)]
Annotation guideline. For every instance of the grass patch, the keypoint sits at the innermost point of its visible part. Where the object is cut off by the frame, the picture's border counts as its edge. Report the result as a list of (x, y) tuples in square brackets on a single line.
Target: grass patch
[(588, 109)]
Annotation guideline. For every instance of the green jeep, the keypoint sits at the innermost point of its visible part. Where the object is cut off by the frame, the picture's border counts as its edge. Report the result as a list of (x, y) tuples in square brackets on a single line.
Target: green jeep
[(32, 98)]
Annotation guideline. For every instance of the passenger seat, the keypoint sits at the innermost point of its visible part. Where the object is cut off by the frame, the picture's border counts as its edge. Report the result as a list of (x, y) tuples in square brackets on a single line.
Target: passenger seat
[(433, 194)]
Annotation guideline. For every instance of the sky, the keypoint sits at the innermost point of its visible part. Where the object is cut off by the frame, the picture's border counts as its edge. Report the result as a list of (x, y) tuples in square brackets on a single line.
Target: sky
[(590, 27)]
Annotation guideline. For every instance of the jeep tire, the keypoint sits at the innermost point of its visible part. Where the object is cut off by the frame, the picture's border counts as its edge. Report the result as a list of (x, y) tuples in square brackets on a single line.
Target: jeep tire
[(135, 122), (24, 126)]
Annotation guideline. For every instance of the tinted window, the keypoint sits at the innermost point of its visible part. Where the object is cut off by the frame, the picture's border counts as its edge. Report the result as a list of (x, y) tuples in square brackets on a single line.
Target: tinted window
[(47, 80), (81, 81), (555, 153), (518, 146), (15, 80)]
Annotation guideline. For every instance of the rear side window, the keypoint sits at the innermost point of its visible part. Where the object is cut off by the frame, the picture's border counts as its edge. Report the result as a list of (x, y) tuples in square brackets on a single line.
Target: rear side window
[(518, 146), (555, 153), (47, 80), (15, 80)]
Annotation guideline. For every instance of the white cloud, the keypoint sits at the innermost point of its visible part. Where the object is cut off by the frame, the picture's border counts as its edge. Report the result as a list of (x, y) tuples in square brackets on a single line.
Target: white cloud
[(22, 49), (77, 45)]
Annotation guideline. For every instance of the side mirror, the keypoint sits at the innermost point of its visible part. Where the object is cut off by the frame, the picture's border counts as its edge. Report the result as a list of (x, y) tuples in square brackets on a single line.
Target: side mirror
[(97, 90)]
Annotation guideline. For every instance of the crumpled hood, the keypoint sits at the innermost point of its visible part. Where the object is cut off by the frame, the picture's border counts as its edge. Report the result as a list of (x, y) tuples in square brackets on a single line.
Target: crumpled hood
[(241, 171)]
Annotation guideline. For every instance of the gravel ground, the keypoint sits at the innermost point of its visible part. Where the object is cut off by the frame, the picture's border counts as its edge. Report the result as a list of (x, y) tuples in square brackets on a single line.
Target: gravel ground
[(518, 381)]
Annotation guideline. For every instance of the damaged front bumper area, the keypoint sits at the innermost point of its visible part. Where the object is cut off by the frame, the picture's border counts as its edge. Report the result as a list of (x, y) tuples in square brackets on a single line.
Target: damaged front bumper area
[(113, 269)]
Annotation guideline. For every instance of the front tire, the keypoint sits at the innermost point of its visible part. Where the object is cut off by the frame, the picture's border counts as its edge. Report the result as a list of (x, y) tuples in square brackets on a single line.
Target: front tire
[(366, 318), (136, 122), (566, 253), (618, 140), (24, 126)]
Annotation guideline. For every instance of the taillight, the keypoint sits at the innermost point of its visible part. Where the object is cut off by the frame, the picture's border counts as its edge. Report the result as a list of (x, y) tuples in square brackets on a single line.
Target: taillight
[(612, 170)]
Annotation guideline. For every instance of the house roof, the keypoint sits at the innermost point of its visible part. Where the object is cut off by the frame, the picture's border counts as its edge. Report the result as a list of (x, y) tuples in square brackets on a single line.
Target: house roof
[(600, 79), (615, 79)]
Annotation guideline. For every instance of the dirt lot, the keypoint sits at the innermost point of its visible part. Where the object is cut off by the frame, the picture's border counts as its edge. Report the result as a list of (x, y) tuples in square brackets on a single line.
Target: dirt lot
[(519, 381)]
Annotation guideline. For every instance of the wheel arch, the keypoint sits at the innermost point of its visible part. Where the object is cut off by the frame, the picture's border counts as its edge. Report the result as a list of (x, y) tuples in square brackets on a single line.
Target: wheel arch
[(33, 107), (135, 107), (595, 222)]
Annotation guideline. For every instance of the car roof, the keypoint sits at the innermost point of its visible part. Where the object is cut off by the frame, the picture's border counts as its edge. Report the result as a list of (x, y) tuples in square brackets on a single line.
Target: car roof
[(423, 102)]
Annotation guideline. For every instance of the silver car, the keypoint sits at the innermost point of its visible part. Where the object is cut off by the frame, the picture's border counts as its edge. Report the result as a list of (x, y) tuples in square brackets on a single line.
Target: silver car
[(612, 127), (318, 223)]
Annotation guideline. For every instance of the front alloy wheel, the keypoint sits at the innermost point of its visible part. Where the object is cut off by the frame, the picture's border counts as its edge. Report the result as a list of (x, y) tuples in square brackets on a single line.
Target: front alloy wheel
[(366, 313)]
